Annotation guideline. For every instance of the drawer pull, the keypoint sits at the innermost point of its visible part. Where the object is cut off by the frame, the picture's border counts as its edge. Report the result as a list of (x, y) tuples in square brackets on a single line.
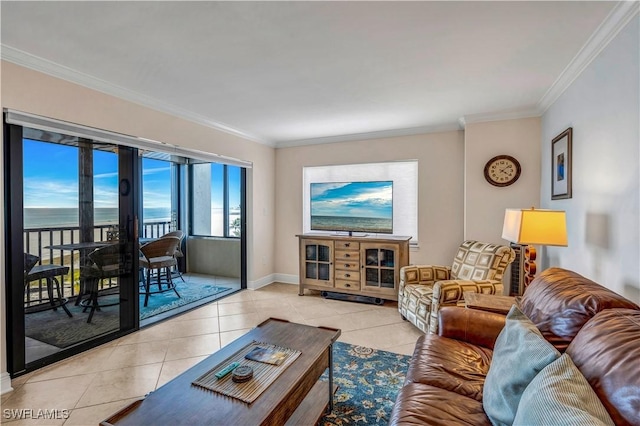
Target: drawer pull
[(347, 275), (347, 244), (347, 255), (347, 285), (347, 265)]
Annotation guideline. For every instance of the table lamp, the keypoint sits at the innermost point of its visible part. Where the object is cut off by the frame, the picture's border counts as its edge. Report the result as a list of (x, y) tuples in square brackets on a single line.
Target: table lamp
[(534, 226)]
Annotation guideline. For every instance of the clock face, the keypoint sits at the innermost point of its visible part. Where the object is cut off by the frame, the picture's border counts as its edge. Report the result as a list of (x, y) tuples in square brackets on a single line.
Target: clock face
[(502, 170)]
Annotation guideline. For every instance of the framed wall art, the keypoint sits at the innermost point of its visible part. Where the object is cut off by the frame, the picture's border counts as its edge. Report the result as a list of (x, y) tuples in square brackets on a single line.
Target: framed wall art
[(561, 166)]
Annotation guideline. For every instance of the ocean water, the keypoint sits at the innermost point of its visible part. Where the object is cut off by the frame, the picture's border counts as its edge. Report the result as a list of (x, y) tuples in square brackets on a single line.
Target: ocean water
[(356, 224), (57, 217)]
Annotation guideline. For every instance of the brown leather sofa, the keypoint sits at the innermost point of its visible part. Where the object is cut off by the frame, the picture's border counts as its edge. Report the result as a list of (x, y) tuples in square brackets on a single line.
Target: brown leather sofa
[(599, 329)]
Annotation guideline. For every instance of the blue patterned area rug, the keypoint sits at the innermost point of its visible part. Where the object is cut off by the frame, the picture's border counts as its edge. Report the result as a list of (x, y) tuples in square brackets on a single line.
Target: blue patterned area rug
[(189, 292), (368, 382)]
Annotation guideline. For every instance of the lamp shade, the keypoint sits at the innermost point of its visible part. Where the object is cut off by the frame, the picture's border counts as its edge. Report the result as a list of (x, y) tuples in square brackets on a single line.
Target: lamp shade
[(531, 226)]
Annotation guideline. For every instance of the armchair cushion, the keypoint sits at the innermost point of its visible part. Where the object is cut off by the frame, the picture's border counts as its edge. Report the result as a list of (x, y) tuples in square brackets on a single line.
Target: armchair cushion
[(481, 261)]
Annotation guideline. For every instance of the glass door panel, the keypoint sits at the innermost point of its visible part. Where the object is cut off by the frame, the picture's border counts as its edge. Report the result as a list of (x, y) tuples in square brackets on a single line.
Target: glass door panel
[(77, 240), (379, 268), (317, 263)]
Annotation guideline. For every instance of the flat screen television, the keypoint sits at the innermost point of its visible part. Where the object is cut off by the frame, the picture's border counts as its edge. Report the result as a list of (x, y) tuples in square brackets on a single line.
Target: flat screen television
[(352, 206)]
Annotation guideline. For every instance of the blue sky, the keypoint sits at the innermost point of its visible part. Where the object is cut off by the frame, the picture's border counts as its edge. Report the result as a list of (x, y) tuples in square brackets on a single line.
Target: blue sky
[(51, 179), (358, 199)]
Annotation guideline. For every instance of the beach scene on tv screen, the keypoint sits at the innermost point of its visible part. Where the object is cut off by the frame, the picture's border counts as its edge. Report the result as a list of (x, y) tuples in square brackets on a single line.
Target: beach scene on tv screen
[(352, 206)]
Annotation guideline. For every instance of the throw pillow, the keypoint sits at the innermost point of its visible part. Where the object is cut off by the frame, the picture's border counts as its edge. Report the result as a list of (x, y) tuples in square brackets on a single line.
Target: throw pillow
[(519, 354), (561, 394)]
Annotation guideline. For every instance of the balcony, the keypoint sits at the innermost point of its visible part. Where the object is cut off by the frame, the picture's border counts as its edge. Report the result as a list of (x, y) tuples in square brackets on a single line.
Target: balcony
[(37, 241)]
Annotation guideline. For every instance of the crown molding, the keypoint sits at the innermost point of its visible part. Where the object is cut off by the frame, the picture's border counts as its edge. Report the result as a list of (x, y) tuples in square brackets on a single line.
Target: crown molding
[(411, 131), (499, 116), (53, 69), (617, 19)]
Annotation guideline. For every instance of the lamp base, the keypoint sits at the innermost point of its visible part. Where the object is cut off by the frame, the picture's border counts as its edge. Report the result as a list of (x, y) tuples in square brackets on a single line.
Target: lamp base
[(529, 265)]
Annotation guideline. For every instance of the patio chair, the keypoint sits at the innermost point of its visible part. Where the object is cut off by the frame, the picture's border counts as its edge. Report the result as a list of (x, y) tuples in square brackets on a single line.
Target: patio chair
[(34, 272), (106, 263), (156, 256), (178, 253)]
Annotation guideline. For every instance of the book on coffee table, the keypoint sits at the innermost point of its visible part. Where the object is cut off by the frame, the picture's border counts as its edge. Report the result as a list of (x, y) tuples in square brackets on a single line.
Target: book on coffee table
[(267, 355)]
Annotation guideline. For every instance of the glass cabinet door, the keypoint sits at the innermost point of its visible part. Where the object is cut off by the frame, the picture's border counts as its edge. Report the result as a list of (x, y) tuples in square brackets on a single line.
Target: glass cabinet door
[(318, 262), (379, 268)]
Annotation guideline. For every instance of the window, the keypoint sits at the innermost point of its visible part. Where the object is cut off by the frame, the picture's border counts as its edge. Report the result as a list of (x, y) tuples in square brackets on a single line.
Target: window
[(215, 200), (159, 217)]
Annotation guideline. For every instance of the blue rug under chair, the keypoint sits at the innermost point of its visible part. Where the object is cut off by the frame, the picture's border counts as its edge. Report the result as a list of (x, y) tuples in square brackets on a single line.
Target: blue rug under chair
[(189, 293)]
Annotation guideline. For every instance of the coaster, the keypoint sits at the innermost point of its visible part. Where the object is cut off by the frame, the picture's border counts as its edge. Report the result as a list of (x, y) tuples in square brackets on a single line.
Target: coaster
[(242, 374)]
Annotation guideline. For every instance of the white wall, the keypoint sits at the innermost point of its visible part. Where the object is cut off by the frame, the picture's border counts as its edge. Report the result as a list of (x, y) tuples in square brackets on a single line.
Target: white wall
[(484, 203), (204, 256), (602, 106)]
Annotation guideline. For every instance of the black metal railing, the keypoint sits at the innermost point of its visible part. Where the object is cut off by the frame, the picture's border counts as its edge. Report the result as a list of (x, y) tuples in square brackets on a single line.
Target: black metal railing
[(38, 241)]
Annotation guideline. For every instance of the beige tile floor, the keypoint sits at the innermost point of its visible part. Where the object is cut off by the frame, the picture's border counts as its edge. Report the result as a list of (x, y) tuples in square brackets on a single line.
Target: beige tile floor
[(95, 384)]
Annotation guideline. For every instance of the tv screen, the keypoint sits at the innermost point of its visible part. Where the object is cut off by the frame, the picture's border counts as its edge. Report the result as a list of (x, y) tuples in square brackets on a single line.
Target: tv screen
[(352, 206)]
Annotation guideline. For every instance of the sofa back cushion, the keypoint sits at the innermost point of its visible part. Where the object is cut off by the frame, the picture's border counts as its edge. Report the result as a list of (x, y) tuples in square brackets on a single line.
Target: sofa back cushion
[(481, 261), (561, 394), (607, 352), (519, 354), (560, 302)]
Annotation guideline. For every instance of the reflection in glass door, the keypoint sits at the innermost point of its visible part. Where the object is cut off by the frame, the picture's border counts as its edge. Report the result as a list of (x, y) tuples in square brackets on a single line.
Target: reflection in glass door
[(77, 231)]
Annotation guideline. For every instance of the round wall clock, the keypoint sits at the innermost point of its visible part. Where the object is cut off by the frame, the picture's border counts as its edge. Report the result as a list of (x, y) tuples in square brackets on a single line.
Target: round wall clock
[(502, 170)]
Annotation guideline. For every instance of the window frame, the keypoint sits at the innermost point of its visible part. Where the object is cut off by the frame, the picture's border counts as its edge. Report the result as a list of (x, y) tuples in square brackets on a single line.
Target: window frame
[(225, 203)]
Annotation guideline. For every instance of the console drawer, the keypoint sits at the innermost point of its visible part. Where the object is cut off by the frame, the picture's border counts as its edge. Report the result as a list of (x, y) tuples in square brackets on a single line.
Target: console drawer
[(347, 265), (347, 275), (352, 255), (347, 245), (349, 285)]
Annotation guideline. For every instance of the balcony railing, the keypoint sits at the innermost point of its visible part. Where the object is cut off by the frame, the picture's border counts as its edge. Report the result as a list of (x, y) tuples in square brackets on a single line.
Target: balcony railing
[(37, 241)]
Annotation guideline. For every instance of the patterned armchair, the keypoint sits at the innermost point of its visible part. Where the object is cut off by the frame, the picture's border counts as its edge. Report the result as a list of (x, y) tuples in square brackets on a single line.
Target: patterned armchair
[(477, 267)]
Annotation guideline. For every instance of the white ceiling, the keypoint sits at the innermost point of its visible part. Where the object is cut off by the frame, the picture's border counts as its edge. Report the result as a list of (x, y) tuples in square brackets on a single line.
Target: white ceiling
[(284, 73)]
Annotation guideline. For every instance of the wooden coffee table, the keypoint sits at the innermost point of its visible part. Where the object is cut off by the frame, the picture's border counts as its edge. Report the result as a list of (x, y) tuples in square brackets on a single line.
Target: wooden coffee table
[(295, 397)]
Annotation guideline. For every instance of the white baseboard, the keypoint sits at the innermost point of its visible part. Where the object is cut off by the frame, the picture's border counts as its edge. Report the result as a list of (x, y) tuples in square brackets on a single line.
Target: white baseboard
[(261, 282), (5, 383), (273, 278), (287, 279)]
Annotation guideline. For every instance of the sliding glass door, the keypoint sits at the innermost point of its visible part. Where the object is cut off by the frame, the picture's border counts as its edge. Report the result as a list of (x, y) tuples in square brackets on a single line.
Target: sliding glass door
[(72, 228), (79, 205)]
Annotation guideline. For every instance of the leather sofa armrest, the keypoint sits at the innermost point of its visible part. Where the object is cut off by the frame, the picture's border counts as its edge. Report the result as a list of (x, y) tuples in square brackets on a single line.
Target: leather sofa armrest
[(470, 325), (451, 293)]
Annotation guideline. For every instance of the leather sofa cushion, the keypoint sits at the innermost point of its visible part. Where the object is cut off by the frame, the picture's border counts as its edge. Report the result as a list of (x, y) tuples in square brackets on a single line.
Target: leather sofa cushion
[(560, 302), (450, 364), (420, 404), (607, 352)]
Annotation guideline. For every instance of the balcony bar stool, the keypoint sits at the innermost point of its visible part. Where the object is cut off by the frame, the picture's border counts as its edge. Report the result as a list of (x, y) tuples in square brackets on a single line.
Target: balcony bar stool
[(49, 274), (106, 264), (158, 255), (178, 253)]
